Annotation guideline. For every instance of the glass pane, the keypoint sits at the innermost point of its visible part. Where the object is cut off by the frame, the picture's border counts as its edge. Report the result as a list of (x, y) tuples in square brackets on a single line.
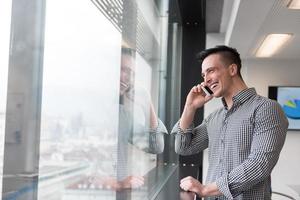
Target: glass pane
[(80, 102), (99, 84), (5, 19), (100, 133), (139, 100)]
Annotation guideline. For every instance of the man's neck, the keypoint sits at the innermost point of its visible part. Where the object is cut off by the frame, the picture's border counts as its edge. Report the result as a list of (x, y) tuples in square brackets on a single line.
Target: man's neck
[(237, 86)]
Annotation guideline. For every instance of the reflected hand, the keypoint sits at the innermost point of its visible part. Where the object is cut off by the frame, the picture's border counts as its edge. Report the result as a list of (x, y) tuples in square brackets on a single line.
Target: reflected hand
[(108, 182), (141, 97), (127, 183), (132, 182)]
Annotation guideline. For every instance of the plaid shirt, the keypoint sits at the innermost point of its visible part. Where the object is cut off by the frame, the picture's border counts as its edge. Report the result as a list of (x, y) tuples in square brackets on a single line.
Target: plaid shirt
[(244, 145)]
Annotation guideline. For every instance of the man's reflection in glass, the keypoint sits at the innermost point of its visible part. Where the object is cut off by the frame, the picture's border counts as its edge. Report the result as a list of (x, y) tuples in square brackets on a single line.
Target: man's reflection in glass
[(146, 131), (139, 126)]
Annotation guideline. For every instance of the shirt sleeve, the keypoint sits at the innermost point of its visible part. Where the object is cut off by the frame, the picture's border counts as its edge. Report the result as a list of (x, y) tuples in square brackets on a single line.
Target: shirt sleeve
[(268, 138), (156, 140), (192, 140), (150, 140)]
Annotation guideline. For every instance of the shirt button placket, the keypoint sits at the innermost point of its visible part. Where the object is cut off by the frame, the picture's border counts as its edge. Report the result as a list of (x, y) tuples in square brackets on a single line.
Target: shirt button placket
[(222, 146)]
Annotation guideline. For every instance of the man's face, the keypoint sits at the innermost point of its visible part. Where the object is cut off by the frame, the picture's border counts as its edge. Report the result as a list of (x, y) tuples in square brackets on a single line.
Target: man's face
[(216, 75), (127, 73)]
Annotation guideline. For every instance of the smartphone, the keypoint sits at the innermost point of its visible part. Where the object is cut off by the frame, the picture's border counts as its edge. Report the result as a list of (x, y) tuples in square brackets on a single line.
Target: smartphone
[(207, 90)]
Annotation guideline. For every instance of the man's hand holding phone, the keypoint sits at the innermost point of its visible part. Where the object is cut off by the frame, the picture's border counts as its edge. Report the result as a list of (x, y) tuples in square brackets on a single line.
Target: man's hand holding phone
[(198, 96), (207, 90), (194, 100)]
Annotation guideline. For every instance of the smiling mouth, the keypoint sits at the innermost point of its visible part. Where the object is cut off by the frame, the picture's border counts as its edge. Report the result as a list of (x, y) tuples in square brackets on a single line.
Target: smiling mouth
[(213, 85)]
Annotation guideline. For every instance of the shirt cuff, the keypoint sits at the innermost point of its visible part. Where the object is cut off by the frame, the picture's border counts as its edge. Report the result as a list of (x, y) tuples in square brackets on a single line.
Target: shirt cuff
[(160, 128), (183, 132), (223, 186)]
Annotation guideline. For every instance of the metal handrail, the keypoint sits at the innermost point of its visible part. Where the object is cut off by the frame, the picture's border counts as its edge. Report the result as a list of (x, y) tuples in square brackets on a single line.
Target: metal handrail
[(282, 194)]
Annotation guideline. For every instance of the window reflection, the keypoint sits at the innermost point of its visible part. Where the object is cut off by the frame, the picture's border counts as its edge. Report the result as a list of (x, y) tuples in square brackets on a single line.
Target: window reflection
[(99, 129), (100, 132), (141, 133)]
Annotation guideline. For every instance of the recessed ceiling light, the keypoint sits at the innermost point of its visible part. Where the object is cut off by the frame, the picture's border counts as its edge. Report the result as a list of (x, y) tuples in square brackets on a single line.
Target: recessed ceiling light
[(271, 44), (294, 4)]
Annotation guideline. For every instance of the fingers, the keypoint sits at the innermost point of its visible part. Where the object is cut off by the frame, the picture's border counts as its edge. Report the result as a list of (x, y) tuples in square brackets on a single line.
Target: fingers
[(187, 183), (188, 178), (208, 98), (135, 181), (191, 184), (194, 89), (197, 88)]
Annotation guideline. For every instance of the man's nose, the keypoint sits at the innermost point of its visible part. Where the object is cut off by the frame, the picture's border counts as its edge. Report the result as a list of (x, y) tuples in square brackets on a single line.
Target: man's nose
[(207, 79)]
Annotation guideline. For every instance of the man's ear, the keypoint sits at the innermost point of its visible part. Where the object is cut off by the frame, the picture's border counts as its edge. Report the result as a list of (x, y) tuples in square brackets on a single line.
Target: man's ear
[(233, 69)]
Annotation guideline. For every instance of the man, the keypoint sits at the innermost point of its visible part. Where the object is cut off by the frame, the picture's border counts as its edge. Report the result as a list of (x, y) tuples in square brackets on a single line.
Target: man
[(139, 129), (244, 137), (139, 123)]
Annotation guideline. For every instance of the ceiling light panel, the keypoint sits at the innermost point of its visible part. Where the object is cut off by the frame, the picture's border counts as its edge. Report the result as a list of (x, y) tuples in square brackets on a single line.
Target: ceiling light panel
[(272, 44), (294, 4)]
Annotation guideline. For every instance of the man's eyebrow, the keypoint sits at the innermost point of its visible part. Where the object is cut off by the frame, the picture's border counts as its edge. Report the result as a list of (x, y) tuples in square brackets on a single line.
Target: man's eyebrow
[(209, 68)]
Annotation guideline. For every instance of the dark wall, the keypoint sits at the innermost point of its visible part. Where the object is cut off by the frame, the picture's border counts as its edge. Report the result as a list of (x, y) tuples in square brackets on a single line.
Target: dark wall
[(193, 41), (189, 17)]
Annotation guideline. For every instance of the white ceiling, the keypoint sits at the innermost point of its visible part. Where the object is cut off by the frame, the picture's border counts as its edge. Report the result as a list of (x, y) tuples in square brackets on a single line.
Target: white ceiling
[(214, 13), (248, 22)]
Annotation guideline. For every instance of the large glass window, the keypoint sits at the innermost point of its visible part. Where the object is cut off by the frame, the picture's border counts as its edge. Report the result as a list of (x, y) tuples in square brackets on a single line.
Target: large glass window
[(83, 93), (5, 18), (80, 99)]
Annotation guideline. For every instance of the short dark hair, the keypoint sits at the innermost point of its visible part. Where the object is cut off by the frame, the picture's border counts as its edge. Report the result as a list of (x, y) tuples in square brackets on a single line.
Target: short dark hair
[(229, 55)]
